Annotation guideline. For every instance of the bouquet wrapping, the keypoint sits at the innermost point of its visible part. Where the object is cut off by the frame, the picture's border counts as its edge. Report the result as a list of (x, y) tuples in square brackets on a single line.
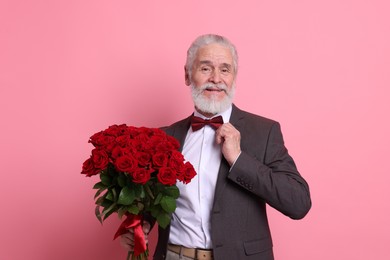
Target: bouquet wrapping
[(138, 169)]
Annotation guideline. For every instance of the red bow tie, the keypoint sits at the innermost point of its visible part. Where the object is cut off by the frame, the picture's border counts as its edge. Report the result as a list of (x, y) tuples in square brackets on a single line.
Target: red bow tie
[(197, 122)]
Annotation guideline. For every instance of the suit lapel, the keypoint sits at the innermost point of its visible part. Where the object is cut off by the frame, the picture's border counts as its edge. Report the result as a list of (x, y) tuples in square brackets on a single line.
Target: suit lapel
[(235, 120), (180, 132)]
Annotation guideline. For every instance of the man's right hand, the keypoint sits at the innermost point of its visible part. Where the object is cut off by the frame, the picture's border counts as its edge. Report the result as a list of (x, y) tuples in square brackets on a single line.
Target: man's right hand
[(127, 240)]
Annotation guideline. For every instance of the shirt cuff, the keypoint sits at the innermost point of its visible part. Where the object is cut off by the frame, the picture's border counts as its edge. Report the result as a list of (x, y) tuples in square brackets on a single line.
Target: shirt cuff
[(231, 167)]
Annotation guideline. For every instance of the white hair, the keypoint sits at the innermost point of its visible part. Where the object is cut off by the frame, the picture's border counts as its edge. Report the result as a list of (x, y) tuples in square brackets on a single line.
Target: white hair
[(207, 39)]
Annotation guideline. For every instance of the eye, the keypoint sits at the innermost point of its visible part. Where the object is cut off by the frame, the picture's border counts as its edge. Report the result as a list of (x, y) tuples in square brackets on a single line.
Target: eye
[(225, 71), (205, 69)]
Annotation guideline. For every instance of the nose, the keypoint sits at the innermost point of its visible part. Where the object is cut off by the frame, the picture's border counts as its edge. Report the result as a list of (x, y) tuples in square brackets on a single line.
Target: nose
[(215, 77)]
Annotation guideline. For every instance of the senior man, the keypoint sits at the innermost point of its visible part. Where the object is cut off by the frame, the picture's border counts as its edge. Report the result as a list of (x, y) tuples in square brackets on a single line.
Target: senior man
[(241, 162)]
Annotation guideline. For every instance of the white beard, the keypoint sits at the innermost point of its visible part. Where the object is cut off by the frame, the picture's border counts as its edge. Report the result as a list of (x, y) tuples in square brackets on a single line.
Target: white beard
[(209, 104)]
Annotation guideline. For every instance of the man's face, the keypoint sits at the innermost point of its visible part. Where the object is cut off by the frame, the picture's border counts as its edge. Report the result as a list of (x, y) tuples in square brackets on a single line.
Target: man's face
[(212, 79)]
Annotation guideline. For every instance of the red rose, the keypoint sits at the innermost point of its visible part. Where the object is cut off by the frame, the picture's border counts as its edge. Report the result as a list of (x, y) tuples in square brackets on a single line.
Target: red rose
[(144, 159), (113, 130), (141, 175), (174, 142), (166, 176), (176, 160), (160, 159), (188, 173), (168, 144), (88, 168), (117, 151), (123, 140), (96, 139), (158, 133), (130, 130), (148, 131), (99, 159), (155, 140), (125, 130), (143, 137), (139, 145), (126, 163), (100, 140)]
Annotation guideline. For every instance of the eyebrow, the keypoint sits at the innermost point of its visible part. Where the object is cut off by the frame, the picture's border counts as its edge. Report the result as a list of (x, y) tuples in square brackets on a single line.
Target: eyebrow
[(208, 62), (205, 62)]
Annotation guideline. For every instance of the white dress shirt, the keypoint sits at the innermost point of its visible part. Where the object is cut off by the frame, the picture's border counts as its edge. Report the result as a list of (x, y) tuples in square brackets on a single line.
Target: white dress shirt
[(190, 225)]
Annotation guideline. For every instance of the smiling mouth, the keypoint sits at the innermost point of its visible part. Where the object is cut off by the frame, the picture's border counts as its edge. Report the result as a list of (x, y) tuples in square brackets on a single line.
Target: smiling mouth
[(214, 89)]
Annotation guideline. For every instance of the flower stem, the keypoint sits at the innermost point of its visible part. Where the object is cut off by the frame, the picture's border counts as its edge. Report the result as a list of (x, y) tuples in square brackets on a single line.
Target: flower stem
[(149, 191), (142, 256)]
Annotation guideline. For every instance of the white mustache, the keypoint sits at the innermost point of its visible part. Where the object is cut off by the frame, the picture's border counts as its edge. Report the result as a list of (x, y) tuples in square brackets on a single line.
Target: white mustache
[(213, 86)]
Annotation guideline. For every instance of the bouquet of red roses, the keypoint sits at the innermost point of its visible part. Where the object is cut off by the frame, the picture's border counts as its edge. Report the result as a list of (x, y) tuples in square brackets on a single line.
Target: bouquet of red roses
[(138, 169)]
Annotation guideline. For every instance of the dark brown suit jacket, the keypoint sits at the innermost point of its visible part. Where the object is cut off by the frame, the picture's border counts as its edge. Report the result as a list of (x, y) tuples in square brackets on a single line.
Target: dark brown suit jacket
[(264, 173)]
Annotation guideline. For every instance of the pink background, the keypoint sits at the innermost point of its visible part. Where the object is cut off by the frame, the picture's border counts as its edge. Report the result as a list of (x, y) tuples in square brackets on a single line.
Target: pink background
[(71, 68)]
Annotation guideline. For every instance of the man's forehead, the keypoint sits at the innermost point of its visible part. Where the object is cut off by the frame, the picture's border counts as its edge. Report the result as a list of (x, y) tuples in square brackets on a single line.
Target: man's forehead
[(214, 53)]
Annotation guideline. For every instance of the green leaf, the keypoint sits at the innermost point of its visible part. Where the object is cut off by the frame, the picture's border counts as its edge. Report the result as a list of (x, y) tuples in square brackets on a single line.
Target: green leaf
[(163, 219), (172, 191), (115, 195), (142, 193), (154, 210), (105, 179), (110, 196), (99, 186), (159, 187), (158, 199), (122, 180), (126, 196), (106, 203), (98, 193), (133, 209), (99, 201), (108, 211), (97, 214), (121, 212), (139, 191), (168, 204)]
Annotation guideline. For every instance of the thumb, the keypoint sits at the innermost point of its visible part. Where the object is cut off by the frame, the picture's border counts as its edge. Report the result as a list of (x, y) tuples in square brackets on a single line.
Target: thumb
[(146, 227)]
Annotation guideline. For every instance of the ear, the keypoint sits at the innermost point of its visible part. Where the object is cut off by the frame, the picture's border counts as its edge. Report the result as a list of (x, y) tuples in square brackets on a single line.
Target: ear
[(187, 77)]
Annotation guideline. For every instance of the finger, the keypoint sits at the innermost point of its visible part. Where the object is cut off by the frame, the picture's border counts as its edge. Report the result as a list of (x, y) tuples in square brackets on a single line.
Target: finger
[(220, 134), (225, 128), (128, 237), (126, 243), (228, 131), (146, 227), (127, 246), (218, 138)]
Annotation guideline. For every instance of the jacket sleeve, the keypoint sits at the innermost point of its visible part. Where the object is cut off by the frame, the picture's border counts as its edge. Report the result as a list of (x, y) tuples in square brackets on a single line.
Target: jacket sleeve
[(271, 175)]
